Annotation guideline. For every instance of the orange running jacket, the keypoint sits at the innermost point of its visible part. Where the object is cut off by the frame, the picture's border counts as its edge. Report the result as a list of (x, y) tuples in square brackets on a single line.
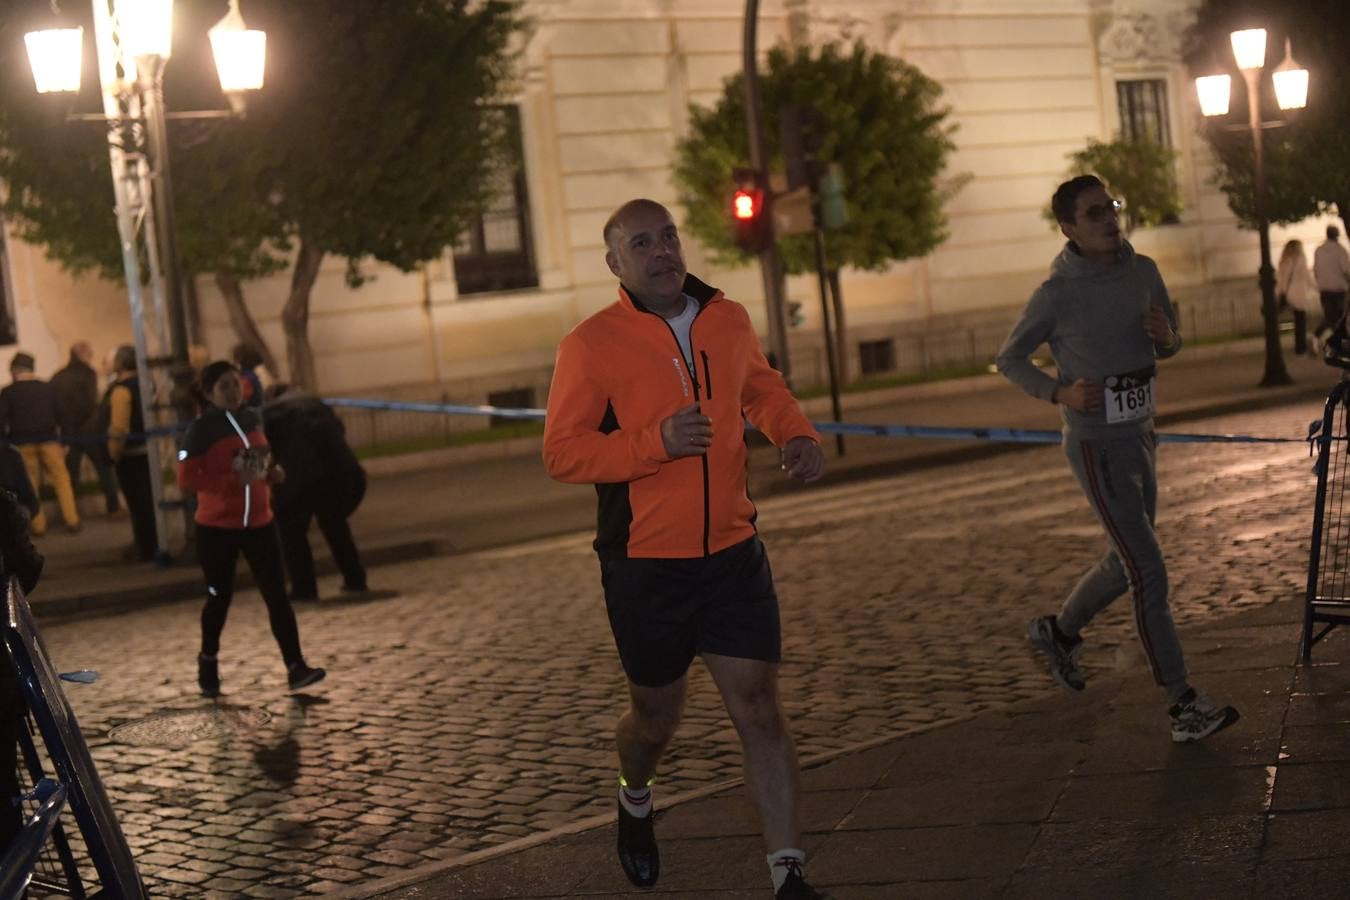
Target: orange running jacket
[(619, 374)]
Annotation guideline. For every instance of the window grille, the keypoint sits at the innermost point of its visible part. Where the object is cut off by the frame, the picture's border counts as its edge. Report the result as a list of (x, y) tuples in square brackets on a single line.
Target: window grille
[(496, 252)]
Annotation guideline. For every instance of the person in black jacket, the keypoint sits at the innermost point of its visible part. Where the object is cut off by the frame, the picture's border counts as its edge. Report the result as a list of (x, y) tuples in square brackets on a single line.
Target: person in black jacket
[(226, 459), (123, 421), (76, 388), (28, 418), (324, 481)]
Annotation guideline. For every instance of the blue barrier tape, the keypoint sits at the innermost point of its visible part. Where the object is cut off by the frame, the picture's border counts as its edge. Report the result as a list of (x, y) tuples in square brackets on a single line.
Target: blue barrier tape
[(929, 432), (69, 439), (449, 408)]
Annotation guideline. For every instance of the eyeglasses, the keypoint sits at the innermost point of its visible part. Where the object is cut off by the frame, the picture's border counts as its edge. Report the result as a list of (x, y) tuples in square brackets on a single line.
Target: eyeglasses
[(1103, 211)]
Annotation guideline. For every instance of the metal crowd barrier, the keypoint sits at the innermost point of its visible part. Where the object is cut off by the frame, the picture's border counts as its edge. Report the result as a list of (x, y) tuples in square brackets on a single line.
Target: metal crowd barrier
[(24, 864), (52, 865), (1328, 596)]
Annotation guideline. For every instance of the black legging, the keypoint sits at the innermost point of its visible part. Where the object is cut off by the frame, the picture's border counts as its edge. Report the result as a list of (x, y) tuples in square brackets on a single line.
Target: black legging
[(218, 550)]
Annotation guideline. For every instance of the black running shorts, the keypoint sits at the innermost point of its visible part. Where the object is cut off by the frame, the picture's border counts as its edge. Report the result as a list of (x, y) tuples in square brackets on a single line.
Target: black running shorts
[(663, 612)]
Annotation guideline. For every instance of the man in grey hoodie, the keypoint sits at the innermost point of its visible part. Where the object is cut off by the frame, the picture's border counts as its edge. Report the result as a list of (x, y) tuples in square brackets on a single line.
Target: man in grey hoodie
[(1106, 316)]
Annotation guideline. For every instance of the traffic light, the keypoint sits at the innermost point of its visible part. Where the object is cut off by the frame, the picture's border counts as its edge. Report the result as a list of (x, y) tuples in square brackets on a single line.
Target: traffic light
[(747, 218), (748, 221)]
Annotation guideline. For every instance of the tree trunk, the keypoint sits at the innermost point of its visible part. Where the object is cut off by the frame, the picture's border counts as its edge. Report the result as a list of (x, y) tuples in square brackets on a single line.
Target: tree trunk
[(241, 320), (295, 317), (840, 338)]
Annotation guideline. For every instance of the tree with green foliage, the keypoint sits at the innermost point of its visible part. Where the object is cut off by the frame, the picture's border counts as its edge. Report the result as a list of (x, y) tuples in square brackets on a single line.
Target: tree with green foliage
[(1307, 159), (1140, 172), (878, 117), (375, 136)]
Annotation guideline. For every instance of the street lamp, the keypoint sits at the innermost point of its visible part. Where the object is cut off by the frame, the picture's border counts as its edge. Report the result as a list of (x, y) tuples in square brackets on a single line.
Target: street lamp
[(1291, 92), (133, 40), (144, 43)]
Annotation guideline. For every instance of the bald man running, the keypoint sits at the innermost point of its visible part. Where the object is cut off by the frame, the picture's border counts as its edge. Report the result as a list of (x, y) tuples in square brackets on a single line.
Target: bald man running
[(647, 404)]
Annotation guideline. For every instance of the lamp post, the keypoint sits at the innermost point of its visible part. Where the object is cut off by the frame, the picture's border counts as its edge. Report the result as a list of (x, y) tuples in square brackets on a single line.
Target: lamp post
[(1291, 92), (133, 41)]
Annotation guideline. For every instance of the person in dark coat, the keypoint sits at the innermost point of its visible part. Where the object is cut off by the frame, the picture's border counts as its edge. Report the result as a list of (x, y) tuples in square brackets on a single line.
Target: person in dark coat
[(76, 388), (28, 418), (122, 419), (324, 481)]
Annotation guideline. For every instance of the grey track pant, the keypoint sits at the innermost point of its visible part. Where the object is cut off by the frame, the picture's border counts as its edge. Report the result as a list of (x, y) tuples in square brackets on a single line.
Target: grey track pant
[(1119, 478)]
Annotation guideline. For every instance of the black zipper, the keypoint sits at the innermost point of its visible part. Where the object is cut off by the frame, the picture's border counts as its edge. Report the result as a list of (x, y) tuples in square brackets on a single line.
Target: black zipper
[(707, 375), (693, 376)]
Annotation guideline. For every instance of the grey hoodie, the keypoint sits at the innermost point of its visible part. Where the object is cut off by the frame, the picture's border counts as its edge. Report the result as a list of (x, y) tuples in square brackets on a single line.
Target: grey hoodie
[(1091, 315)]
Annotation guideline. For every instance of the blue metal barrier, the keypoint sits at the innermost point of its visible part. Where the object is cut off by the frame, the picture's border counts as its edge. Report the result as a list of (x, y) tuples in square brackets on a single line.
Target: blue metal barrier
[(1327, 600), (69, 754), (20, 859)]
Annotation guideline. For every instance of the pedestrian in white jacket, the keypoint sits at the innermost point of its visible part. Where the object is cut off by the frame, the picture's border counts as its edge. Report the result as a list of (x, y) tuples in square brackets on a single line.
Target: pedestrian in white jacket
[(1295, 287)]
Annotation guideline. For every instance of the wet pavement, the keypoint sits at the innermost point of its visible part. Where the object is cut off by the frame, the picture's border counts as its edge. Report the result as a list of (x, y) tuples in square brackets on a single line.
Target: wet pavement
[(471, 700)]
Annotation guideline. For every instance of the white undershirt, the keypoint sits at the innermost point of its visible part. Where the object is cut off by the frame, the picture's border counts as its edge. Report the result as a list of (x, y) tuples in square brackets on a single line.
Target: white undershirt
[(681, 325)]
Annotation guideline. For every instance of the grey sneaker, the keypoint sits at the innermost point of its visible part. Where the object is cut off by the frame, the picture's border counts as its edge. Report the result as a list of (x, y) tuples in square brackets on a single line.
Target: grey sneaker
[(1195, 717), (1062, 659)]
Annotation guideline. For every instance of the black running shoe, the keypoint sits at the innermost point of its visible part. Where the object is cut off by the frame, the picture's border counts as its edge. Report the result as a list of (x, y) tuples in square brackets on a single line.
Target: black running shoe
[(796, 888), (299, 675), (638, 855), (208, 675)]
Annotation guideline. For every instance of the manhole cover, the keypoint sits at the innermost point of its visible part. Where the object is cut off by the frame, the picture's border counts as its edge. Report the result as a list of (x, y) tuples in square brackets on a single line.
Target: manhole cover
[(179, 727)]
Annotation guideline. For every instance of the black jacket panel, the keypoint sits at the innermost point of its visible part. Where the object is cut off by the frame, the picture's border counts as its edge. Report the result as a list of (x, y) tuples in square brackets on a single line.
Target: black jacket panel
[(28, 411), (76, 388)]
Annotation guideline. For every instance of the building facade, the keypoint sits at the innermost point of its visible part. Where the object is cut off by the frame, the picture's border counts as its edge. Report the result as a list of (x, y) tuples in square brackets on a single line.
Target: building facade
[(601, 101)]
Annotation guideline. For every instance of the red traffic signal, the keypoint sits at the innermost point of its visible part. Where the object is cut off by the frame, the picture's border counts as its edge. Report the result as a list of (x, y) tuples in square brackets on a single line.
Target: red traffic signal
[(747, 218), (746, 204)]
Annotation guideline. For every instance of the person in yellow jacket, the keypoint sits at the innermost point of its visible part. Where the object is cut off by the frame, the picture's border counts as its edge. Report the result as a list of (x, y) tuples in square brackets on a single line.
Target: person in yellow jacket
[(123, 420), (648, 403)]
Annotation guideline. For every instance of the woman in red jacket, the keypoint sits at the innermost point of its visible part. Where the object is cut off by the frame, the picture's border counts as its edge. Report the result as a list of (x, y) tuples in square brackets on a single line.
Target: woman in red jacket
[(226, 462)]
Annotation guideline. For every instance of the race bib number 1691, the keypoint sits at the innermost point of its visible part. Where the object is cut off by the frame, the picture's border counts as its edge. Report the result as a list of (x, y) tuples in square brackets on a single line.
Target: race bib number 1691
[(1129, 397)]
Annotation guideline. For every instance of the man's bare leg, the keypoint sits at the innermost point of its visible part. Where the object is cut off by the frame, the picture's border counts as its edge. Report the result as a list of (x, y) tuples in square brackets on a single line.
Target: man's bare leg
[(645, 730), (749, 689)]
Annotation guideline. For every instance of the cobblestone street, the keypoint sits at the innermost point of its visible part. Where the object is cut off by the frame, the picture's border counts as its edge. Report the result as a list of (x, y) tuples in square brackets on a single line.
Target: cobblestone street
[(472, 703)]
